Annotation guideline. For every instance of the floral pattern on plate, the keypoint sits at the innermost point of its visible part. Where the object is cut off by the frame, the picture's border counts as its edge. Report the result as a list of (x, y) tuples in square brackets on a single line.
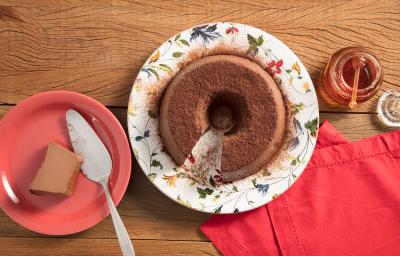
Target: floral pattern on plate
[(210, 194)]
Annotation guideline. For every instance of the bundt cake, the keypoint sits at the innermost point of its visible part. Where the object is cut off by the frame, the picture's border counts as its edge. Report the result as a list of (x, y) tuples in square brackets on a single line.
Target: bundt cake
[(228, 93)]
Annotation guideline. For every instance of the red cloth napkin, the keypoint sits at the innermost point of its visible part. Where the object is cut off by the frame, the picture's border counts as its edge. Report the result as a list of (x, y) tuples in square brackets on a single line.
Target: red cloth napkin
[(346, 202)]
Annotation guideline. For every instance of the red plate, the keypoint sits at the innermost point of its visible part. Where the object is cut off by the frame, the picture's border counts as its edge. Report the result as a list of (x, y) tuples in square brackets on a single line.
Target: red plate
[(24, 134)]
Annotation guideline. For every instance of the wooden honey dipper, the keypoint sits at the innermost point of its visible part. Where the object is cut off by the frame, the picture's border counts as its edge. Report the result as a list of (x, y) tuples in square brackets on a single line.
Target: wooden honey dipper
[(358, 63)]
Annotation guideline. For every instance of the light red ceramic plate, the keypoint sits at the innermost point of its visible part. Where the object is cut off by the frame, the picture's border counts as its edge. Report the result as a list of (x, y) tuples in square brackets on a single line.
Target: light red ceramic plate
[(25, 132)]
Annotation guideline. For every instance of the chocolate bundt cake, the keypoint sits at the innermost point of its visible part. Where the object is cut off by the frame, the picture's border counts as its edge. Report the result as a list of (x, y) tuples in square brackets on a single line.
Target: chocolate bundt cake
[(229, 93)]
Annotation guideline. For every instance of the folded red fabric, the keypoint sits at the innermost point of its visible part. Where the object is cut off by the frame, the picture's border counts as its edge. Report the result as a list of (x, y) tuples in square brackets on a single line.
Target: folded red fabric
[(346, 202)]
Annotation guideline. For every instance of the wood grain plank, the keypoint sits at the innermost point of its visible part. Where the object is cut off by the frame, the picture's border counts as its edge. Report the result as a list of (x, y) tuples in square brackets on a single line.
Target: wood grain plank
[(4, 110), (98, 247), (98, 47), (356, 126)]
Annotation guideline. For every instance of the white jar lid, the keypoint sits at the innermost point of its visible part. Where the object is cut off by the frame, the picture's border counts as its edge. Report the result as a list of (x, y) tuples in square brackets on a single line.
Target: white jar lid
[(389, 108)]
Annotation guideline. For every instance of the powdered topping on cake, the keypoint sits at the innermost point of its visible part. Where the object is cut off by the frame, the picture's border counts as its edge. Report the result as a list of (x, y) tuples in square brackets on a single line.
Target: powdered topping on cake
[(229, 93)]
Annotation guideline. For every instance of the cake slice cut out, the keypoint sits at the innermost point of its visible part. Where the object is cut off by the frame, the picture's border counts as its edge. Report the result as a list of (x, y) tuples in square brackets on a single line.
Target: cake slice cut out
[(58, 173)]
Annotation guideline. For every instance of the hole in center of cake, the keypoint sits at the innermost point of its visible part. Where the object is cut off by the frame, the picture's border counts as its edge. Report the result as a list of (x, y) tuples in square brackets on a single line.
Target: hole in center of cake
[(222, 118), (227, 112)]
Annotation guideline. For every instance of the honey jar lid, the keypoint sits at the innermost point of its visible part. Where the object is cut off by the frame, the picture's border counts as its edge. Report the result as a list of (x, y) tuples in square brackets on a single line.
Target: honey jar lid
[(389, 108)]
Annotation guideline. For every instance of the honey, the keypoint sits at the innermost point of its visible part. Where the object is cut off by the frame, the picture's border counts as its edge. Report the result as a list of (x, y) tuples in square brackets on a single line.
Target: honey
[(365, 75)]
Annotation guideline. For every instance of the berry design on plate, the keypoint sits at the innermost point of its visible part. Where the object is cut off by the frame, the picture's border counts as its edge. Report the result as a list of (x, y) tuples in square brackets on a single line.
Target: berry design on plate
[(274, 67)]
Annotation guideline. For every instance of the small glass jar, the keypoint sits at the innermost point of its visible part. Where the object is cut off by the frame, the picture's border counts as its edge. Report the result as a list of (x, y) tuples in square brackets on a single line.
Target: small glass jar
[(339, 74)]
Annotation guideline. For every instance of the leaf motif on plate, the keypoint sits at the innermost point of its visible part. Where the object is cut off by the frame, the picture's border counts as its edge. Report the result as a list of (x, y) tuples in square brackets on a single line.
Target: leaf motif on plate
[(262, 188), (206, 33), (184, 42), (183, 202), (203, 192), (218, 210), (156, 163), (312, 126), (265, 172), (166, 68), (177, 54), (297, 108), (139, 138), (254, 182), (297, 126), (153, 71), (150, 72), (254, 43), (294, 142), (260, 40), (211, 180), (152, 176)]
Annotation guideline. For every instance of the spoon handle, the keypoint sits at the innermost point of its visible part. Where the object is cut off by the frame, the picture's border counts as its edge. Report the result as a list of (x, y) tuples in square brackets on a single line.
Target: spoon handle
[(123, 236)]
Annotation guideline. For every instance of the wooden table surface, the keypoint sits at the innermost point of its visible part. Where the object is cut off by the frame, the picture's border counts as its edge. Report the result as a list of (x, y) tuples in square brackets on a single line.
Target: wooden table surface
[(98, 47)]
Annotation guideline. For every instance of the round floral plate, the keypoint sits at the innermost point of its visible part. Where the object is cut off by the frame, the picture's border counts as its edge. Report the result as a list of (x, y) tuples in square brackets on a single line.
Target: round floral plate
[(210, 194)]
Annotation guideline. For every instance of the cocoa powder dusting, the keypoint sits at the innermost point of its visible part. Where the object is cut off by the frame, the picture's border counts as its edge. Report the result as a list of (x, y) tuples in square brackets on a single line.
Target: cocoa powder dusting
[(198, 89), (204, 83)]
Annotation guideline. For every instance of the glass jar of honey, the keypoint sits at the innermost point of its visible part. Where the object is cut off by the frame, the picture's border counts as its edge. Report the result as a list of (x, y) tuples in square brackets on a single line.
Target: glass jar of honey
[(339, 75)]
